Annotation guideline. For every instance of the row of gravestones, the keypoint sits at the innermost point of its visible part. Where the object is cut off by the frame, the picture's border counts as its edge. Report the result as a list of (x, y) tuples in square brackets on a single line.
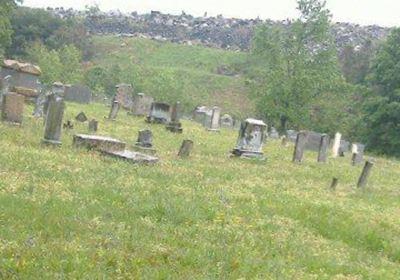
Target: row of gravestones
[(211, 118)]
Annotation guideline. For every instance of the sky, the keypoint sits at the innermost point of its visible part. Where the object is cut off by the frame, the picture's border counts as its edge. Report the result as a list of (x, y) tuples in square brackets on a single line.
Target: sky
[(365, 12)]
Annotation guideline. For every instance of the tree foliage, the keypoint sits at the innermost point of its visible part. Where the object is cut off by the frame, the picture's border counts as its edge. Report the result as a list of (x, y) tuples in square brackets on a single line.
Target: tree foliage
[(298, 69), (6, 9), (382, 109)]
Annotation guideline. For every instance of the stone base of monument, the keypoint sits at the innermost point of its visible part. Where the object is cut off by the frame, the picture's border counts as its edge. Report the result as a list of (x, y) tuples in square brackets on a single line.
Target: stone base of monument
[(132, 157), (174, 127), (156, 120), (51, 142), (100, 143), (144, 150), (248, 154)]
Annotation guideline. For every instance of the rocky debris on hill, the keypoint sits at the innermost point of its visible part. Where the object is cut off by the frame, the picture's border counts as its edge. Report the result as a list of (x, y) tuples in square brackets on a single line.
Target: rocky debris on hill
[(217, 32)]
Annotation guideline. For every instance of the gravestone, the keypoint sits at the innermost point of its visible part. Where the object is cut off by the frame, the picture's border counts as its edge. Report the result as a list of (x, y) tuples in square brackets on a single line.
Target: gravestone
[(301, 142), (214, 124), (202, 115), (39, 103), (144, 142), (81, 117), (132, 157), (226, 121), (114, 110), (124, 95), (344, 147), (291, 135), (93, 125), (336, 144), (273, 134), (362, 181), (54, 120), (186, 148), (12, 108), (79, 94), (57, 90), (175, 125), (357, 153), (159, 113), (99, 143), (4, 87), (313, 141), (141, 104), (323, 148), (250, 139)]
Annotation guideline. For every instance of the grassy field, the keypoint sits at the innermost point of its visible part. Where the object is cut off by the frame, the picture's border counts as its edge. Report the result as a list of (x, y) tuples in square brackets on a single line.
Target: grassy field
[(171, 71), (73, 214)]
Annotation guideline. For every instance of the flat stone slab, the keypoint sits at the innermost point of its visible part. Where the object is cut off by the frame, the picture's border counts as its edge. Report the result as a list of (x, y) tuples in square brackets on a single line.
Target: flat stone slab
[(96, 142), (133, 157)]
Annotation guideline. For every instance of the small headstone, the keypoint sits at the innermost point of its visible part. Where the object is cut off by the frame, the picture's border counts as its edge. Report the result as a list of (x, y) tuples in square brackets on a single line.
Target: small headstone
[(79, 94), (93, 125), (301, 141), (4, 86), (226, 121), (99, 143), (144, 142), (159, 113), (114, 110), (186, 148), (175, 125), (124, 95), (12, 109), (357, 153), (334, 183), (214, 124), (362, 181), (54, 120), (39, 103), (81, 117), (344, 147), (202, 115), (273, 134), (250, 140), (141, 104), (336, 145), (68, 125), (313, 141), (323, 148)]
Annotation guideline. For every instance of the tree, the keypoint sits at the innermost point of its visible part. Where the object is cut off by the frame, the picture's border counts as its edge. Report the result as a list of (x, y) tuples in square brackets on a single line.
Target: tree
[(381, 121), (297, 65), (6, 9)]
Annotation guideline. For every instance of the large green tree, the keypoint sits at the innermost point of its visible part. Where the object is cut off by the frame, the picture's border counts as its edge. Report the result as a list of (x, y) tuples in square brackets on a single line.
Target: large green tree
[(298, 69), (382, 109), (6, 9)]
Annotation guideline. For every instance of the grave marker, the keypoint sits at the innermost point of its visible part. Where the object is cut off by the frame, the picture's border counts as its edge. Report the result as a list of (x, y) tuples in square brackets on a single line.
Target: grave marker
[(12, 108), (174, 125), (54, 120), (250, 139)]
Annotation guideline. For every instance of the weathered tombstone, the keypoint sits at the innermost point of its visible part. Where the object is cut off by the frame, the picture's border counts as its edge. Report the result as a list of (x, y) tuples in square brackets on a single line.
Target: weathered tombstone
[(226, 121), (57, 90), (291, 135), (186, 148), (124, 95), (301, 141), (362, 181), (175, 125), (54, 121), (335, 182), (250, 140), (344, 147), (12, 109), (93, 125), (336, 145), (323, 148), (132, 157), (357, 153), (141, 104), (99, 143), (114, 110), (202, 115), (144, 142), (81, 117), (79, 94), (159, 113), (214, 124), (39, 102), (4, 87), (273, 134), (313, 141)]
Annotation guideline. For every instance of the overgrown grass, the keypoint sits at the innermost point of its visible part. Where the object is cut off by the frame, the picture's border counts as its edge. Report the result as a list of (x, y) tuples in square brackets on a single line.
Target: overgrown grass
[(170, 71), (67, 213)]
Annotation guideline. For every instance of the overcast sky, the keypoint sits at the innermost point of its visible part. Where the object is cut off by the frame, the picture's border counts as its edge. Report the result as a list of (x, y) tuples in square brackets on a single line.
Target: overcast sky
[(382, 12)]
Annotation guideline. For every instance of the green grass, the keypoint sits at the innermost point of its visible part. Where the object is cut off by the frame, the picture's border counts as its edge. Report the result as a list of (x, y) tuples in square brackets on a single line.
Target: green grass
[(73, 214), (170, 71)]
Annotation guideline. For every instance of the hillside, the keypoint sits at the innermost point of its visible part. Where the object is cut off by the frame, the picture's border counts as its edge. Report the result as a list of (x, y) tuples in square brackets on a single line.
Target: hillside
[(195, 75), (67, 213)]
